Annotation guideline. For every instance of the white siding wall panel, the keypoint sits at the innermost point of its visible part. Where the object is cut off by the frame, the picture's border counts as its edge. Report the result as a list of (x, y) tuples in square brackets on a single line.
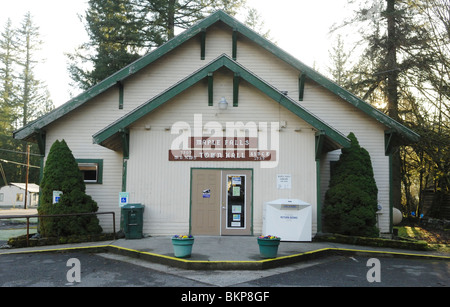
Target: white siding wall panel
[(164, 186), (77, 130), (333, 110), (370, 134)]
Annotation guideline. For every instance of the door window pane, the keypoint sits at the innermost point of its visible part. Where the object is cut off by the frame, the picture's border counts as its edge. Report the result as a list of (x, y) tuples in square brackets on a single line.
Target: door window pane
[(236, 201)]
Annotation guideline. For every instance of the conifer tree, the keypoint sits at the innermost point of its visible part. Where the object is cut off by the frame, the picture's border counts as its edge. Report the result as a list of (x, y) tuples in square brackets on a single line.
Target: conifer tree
[(23, 97), (351, 200), (121, 31), (33, 98), (61, 173)]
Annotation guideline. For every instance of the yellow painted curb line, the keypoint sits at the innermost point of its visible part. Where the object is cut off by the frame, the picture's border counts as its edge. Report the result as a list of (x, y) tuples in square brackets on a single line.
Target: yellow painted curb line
[(188, 261)]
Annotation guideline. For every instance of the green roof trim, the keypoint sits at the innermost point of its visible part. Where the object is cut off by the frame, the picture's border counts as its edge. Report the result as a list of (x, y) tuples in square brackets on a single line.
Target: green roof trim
[(28, 132), (112, 130)]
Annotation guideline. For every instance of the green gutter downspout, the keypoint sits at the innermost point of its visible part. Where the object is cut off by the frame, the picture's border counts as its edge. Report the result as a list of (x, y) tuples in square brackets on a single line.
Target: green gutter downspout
[(319, 146), (125, 135)]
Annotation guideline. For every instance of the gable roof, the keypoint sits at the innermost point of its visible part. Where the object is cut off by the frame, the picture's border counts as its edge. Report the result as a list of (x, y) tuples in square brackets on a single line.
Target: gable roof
[(109, 136), (28, 132), (32, 187)]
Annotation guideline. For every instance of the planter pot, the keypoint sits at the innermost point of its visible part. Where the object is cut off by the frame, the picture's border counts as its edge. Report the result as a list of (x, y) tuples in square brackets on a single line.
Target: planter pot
[(268, 248), (182, 248)]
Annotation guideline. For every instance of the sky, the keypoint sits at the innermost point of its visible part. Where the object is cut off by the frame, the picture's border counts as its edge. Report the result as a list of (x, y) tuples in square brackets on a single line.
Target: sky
[(300, 27)]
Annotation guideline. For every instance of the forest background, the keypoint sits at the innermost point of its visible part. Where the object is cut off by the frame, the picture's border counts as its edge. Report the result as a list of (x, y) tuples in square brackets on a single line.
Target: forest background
[(398, 60)]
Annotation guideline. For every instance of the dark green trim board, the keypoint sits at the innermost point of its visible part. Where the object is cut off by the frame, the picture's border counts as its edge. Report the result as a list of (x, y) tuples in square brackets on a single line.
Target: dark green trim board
[(318, 197), (234, 47), (125, 136), (210, 89), (320, 136), (320, 140), (123, 123), (301, 86), (29, 131), (203, 44), (124, 175), (236, 81), (120, 85), (41, 139)]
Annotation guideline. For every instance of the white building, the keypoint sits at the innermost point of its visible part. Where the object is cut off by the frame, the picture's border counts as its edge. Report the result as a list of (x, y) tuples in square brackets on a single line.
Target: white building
[(159, 130), (13, 195)]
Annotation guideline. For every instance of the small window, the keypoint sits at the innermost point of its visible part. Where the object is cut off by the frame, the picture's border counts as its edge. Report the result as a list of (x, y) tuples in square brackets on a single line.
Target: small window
[(19, 197), (2, 197), (91, 170)]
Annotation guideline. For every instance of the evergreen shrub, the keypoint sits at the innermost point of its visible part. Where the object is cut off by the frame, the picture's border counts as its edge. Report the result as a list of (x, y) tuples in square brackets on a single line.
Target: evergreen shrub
[(61, 173), (351, 201)]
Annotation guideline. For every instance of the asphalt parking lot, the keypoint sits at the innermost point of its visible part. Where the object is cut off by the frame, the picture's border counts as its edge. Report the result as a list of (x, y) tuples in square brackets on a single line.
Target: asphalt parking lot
[(111, 270)]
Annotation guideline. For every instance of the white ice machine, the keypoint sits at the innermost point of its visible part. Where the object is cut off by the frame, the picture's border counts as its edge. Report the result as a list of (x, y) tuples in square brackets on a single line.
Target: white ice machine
[(289, 219)]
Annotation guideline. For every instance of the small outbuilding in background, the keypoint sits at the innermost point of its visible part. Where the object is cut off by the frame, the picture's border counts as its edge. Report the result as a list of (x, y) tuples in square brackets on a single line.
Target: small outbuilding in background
[(13, 195)]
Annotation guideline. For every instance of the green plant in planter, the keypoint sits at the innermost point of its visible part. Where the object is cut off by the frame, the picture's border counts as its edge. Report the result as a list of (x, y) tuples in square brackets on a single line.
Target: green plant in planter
[(182, 237), (352, 198), (182, 245), (268, 246), (61, 173)]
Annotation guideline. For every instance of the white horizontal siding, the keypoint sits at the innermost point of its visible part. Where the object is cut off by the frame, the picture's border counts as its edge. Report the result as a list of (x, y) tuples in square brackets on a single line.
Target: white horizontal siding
[(164, 186), (77, 129), (370, 134), (149, 149), (338, 113)]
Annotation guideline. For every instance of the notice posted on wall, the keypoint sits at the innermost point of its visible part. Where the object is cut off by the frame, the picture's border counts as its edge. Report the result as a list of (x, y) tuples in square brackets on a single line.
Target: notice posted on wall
[(236, 191), (284, 181)]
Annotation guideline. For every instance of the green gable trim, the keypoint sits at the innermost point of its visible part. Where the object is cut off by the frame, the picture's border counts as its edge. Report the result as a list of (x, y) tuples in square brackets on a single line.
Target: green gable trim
[(318, 78), (222, 61), (28, 131)]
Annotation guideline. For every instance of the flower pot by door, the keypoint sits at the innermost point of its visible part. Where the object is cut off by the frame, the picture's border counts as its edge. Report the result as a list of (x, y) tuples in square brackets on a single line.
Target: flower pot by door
[(268, 248), (182, 248)]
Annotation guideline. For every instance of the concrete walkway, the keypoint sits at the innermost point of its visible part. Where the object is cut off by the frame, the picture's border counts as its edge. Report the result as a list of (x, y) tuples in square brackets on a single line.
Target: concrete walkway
[(225, 253)]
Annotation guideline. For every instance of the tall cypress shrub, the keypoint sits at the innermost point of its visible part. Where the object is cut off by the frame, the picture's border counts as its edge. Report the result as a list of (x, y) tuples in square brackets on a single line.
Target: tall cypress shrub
[(61, 173), (351, 201)]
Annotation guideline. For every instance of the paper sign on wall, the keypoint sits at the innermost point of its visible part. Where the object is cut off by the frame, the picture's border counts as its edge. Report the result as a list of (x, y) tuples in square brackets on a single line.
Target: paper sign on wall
[(284, 181), (236, 191), (236, 180)]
